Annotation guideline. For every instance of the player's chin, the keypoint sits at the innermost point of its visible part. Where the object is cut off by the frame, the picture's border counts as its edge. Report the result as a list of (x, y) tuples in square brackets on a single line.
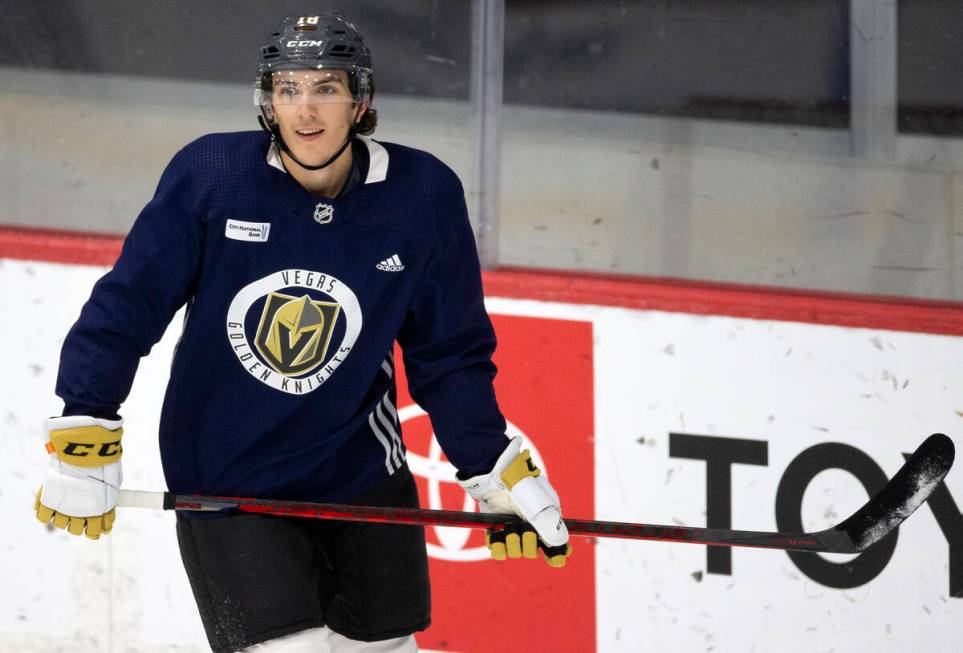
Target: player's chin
[(312, 156)]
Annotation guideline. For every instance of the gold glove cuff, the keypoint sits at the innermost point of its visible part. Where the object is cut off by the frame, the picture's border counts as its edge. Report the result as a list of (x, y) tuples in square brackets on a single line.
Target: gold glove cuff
[(86, 446), (520, 468)]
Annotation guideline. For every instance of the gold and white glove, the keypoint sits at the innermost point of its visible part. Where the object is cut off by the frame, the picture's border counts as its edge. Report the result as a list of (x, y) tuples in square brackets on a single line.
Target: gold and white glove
[(517, 486), (79, 491)]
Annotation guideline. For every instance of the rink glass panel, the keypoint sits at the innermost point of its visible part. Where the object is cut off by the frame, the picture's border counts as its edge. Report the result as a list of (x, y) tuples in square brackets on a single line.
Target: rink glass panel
[(95, 98), (795, 145), (749, 143)]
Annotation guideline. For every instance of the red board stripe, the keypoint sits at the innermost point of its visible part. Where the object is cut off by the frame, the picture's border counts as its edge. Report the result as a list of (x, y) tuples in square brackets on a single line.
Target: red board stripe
[(642, 293), (711, 298), (59, 246)]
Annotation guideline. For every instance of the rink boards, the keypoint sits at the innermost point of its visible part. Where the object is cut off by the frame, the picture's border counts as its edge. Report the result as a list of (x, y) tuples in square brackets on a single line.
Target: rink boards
[(634, 410)]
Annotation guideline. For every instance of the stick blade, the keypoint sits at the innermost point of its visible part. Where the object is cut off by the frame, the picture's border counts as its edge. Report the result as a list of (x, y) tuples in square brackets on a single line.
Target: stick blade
[(905, 492)]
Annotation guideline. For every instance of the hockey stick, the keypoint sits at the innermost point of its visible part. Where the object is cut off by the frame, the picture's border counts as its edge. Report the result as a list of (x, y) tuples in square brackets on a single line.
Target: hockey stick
[(903, 494)]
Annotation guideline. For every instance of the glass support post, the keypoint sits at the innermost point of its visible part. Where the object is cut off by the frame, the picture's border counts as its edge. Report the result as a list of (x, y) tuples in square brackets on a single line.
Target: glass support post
[(873, 79), (488, 55)]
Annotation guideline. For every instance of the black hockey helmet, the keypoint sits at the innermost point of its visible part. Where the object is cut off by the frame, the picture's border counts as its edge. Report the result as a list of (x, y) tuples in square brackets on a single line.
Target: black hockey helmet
[(327, 41)]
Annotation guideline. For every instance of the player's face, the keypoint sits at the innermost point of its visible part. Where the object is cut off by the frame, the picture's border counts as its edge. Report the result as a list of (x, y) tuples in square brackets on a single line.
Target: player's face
[(314, 110)]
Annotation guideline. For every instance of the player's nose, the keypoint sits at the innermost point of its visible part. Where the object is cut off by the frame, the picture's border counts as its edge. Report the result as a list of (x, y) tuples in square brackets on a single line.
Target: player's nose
[(306, 108), (307, 112)]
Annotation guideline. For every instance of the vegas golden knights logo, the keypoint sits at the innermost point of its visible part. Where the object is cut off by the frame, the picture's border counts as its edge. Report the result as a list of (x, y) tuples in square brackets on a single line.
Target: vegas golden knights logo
[(309, 323), (294, 332)]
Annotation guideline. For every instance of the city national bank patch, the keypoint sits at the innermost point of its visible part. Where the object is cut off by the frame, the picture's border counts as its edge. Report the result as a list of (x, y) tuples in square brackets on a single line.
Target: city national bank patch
[(292, 329)]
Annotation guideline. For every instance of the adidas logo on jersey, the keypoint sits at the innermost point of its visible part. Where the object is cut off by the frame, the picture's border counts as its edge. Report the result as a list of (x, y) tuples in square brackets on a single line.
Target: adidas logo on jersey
[(392, 264)]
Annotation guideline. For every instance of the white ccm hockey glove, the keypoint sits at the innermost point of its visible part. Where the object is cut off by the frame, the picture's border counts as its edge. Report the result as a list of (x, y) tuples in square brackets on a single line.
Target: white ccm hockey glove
[(79, 491), (517, 486)]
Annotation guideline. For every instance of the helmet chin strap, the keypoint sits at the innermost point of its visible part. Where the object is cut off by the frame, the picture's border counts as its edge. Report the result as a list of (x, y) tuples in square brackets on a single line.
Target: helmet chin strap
[(275, 131)]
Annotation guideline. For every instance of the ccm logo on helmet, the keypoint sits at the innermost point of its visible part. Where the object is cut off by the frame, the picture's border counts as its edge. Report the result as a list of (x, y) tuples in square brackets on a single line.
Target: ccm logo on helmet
[(82, 449), (304, 44)]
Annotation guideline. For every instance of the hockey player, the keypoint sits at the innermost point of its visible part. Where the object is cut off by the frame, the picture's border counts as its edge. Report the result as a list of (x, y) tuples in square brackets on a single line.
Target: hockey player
[(302, 254)]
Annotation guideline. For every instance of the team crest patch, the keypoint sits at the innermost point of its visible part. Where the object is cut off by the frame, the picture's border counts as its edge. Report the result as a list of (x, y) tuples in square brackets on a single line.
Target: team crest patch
[(294, 332), (292, 329), (323, 213)]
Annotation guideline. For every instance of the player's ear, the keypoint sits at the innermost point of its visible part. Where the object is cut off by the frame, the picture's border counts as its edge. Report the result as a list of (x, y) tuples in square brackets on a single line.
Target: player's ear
[(362, 111)]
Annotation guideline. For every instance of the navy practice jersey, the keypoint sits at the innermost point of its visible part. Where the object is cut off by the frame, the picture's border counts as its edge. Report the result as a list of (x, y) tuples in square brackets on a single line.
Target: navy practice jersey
[(282, 384)]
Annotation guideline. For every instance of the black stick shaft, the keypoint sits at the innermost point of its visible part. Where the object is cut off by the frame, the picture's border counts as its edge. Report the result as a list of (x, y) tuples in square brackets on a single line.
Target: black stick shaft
[(898, 499), (426, 517)]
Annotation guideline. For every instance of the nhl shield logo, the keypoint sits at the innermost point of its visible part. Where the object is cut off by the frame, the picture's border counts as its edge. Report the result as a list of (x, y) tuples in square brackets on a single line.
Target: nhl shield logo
[(323, 213)]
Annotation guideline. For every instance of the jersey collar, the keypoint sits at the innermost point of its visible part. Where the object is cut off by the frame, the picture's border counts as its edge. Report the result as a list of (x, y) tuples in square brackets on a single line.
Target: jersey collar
[(377, 159)]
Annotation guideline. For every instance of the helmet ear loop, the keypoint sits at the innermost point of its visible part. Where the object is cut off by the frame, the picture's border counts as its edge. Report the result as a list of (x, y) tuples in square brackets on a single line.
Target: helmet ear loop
[(270, 125)]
